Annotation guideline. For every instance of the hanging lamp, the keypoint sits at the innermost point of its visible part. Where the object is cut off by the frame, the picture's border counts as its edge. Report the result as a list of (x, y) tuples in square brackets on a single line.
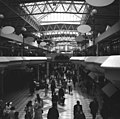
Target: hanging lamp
[(8, 30), (99, 3), (84, 28), (43, 43)]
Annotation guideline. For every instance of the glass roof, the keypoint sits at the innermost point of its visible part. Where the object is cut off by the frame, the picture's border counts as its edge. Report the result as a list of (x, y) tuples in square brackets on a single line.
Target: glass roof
[(58, 12), (49, 12)]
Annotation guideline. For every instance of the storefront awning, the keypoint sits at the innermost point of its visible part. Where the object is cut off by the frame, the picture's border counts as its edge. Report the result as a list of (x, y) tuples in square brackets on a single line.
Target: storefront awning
[(34, 60), (13, 59), (96, 59), (3, 62), (112, 62), (78, 58)]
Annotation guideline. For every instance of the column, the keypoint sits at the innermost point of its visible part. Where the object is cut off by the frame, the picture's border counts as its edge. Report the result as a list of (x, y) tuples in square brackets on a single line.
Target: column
[(38, 73), (1, 83), (22, 50), (47, 69), (119, 9), (78, 73), (76, 68), (97, 49)]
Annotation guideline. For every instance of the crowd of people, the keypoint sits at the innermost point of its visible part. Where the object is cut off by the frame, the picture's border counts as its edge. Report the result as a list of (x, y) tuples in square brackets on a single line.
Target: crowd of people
[(34, 110), (8, 111), (60, 82)]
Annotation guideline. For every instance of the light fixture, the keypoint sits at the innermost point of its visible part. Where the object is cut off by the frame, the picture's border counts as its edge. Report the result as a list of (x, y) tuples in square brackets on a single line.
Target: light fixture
[(23, 29), (8, 29), (1, 16), (29, 39), (43, 43), (93, 12), (84, 28), (99, 3)]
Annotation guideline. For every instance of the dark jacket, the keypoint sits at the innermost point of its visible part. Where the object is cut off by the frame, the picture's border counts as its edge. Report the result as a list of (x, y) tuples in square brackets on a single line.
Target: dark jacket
[(61, 92), (53, 113), (77, 109), (53, 86), (78, 112), (93, 107), (54, 98)]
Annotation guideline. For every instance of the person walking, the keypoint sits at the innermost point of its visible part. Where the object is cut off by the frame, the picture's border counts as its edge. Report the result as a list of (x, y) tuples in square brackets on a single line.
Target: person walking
[(12, 113), (46, 88), (6, 110), (61, 98), (94, 107), (53, 112), (53, 86), (16, 115), (1, 109), (29, 110), (31, 87), (69, 86), (78, 111), (38, 105), (55, 99)]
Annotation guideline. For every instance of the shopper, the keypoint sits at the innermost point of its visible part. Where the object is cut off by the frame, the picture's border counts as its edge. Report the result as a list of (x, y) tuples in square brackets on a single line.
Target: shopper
[(29, 110), (46, 88), (94, 107), (53, 86), (1, 109), (78, 112), (55, 99), (12, 113), (53, 112), (38, 107), (61, 98), (16, 115), (69, 86)]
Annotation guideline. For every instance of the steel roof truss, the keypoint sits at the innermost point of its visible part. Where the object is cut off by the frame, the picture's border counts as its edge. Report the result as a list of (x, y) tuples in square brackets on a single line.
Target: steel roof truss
[(28, 19)]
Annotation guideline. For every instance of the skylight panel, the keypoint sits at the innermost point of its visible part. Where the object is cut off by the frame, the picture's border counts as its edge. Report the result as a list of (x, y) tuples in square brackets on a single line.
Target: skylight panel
[(58, 12), (41, 3), (61, 17), (61, 22), (38, 9), (61, 32)]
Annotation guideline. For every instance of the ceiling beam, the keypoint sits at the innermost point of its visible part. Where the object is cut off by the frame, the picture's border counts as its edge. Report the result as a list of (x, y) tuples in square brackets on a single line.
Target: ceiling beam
[(19, 12), (30, 1), (56, 12)]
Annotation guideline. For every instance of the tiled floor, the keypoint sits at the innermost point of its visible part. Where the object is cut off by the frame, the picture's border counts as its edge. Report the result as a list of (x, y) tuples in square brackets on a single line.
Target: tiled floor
[(20, 99)]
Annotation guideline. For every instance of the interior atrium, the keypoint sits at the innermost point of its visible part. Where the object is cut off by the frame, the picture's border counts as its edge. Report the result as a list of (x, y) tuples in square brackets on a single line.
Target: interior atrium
[(42, 39)]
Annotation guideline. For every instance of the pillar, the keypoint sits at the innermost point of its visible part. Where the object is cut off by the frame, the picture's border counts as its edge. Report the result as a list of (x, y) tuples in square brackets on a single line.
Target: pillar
[(119, 9), (38, 73), (77, 69), (47, 69), (97, 49), (78, 73), (1, 83), (22, 50)]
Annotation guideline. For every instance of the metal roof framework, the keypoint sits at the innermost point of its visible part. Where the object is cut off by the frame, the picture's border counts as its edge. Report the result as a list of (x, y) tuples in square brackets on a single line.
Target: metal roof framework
[(21, 13), (58, 19)]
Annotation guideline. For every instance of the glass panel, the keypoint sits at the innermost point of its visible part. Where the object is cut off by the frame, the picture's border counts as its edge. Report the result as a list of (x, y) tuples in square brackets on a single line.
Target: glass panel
[(37, 8), (58, 12)]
